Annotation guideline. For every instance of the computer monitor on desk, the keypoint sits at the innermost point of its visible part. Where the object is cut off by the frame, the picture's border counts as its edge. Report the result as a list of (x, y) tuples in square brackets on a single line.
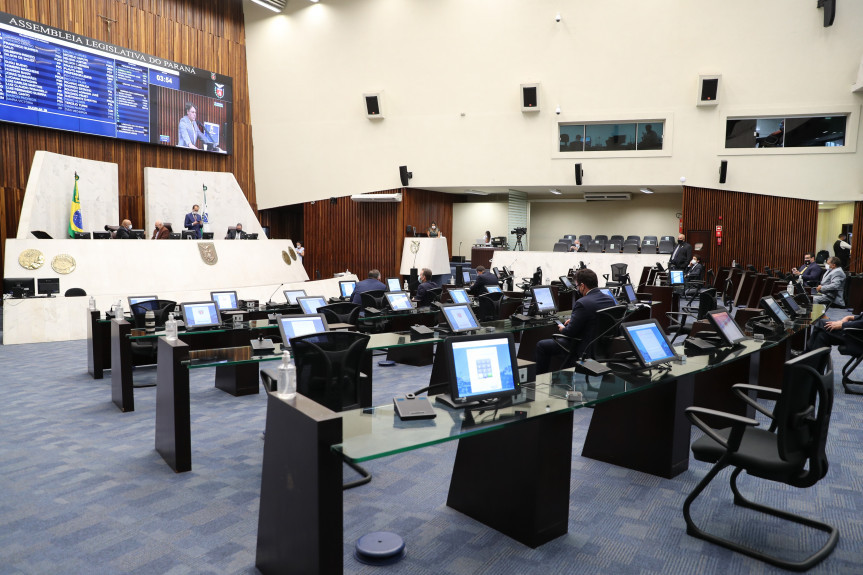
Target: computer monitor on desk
[(393, 284), (459, 317), (291, 326), (346, 288), (493, 289), (459, 295), (399, 301), (225, 300), (772, 308), (791, 303), (133, 299), (542, 300), (629, 293), (291, 295), (200, 315), (609, 293), (465, 276), (648, 342), (482, 367), (48, 286), (728, 330), (676, 277), (311, 304), (19, 287)]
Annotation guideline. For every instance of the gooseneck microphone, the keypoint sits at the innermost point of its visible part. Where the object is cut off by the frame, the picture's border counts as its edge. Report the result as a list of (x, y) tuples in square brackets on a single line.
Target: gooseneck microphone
[(587, 366), (269, 301)]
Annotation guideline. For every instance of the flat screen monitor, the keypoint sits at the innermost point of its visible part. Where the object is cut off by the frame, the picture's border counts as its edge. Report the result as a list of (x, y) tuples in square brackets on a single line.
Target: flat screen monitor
[(311, 303), (496, 272), (725, 326), (200, 314), (629, 293), (101, 235), (225, 300), (493, 289), (188, 235), (676, 277), (482, 367), (543, 300), (459, 295), (459, 317), (206, 235), (609, 293), (291, 295), (19, 287), (346, 288), (133, 299), (790, 302), (291, 326), (566, 283), (772, 308), (393, 284), (48, 286), (465, 276), (399, 301), (648, 341)]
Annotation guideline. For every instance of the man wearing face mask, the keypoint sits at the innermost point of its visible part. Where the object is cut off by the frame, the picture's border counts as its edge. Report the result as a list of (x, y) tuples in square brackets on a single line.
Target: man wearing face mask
[(575, 247), (433, 230), (581, 323), (695, 270), (809, 273), (832, 284), (682, 254)]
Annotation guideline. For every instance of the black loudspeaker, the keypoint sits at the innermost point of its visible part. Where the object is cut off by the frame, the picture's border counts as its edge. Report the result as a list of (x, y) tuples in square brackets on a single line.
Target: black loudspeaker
[(829, 11), (414, 280), (373, 106), (410, 231), (333, 201), (578, 174), (723, 171), (529, 97), (708, 90), (459, 278), (405, 175)]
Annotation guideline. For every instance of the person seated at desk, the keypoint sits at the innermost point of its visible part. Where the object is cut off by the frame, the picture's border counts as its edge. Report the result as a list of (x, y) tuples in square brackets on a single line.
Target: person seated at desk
[(828, 333), (371, 283), (193, 222), (695, 270), (124, 232), (424, 298), (809, 273), (832, 285), (575, 247), (190, 131), (580, 324), (162, 231), (236, 233), (483, 278), (433, 231)]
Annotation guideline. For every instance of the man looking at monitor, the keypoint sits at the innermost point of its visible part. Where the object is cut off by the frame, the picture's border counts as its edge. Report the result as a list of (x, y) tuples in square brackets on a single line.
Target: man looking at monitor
[(236, 234), (483, 278), (162, 232), (124, 232), (810, 272), (189, 129), (832, 284), (371, 283), (193, 222), (424, 297), (682, 254), (580, 324)]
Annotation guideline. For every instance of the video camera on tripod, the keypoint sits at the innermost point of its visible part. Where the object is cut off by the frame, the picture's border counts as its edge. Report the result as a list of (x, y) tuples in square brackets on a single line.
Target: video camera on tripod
[(518, 233)]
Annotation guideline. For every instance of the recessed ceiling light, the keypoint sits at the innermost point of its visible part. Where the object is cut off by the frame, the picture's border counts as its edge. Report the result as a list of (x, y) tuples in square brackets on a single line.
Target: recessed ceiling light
[(476, 192), (274, 5), (820, 203), (646, 191), (555, 192)]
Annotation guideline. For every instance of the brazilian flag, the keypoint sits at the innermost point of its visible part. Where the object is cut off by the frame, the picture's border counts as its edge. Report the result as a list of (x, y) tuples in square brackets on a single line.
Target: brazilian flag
[(76, 221)]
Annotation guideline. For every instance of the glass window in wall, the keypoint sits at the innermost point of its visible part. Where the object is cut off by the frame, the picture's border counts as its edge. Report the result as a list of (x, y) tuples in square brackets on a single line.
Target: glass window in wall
[(791, 132), (607, 137), (571, 137), (611, 136)]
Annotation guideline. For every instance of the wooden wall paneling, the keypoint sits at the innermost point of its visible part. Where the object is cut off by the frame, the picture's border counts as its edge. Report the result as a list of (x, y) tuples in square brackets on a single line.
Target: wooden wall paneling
[(421, 207), (857, 239)]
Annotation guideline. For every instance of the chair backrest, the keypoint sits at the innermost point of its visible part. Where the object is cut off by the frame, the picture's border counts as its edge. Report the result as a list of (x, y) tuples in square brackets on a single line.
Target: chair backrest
[(650, 238), (617, 238), (605, 329), (566, 240), (75, 292), (328, 367), (635, 238), (560, 247), (612, 247), (160, 308), (709, 278), (569, 237), (432, 295), (706, 302), (618, 272), (373, 298), (595, 246), (630, 248), (342, 312), (602, 237), (584, 238), (667, 238), (802, 414), (665, 246), (489, 306)]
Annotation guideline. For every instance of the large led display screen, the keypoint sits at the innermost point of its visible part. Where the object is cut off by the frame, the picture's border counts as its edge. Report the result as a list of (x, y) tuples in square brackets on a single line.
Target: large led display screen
[(56, 79)]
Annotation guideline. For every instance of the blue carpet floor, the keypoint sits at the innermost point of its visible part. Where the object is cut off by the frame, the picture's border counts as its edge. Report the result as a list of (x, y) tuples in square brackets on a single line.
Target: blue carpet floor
[(82, 490)]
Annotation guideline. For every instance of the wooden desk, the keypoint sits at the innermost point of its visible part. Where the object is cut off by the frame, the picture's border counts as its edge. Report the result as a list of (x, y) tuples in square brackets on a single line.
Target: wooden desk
[(482, 256)]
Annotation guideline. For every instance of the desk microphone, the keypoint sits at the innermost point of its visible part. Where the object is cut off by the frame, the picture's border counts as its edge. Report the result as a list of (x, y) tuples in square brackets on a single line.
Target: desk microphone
[(587, 366), (269, 301), (459, 249)]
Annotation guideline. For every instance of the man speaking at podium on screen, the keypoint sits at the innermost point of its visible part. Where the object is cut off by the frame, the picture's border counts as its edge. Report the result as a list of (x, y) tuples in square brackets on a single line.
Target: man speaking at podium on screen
[(190, 131)]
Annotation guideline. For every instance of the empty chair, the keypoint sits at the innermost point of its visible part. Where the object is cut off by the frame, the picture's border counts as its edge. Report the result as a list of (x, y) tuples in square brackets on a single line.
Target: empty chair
[(669, 238), (633, 238), (569, 237), (601, 237), (374, 298), (665, 246), (630, 248), (677, 323), (489, 306), (791, 451), (160, 308), (75, 292), (613, 248), (654, 239), (560, 247), (431, 295), (595, 246), (566, 240), (647, 248), (617, 277), (342, 312), (618, 239), (584, 238)]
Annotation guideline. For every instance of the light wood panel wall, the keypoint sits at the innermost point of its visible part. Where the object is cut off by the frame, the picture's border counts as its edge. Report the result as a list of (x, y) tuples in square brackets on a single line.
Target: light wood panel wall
[(758, 230), (207, 34)]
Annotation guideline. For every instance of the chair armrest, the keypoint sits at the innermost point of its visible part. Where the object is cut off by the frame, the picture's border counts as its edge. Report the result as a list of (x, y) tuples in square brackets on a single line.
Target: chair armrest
[(740, 390), (565, 342), (738, 425), (854, 333)]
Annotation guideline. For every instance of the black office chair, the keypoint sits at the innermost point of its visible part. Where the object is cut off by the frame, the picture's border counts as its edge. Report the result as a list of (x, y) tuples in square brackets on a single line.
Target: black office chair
[(665, 246), (791, 451), (328, 372), (631, 248), (75, 292), (145, 349), (374, 298), (432, 295), (677, 323), (596, 246), (342, 312), (561, 247), (606, 329), (618, 276), (853, 347), (489, 306)]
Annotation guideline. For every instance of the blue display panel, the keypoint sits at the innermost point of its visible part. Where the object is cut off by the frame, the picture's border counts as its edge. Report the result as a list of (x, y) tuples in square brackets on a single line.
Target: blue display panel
[(56, 79)]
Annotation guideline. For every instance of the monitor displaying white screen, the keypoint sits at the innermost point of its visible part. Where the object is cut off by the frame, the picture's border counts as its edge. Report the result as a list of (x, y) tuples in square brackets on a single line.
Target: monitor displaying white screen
[(291, 295), (465, 276), (543, 300), (773, 310), (393, 284), (311, 304), (399, 300), (676, 277), (347, 288), (296, 325), (566, 283), (459, 295), (725, 325), (133, 299), (629, 291), (200, 314), (225, 300), (609, 293), (493, 289), (482, 367), (459, 317), (648, 341), (790, 302)]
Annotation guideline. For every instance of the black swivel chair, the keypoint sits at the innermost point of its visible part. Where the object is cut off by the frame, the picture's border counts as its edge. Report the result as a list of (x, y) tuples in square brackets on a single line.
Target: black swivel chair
[(431, 296), (618, 275), (75, 292), (791, 451), (489, 306), (146, 348), (706, 303), (853, 347), (606, 328), (561, 247), (374, 298), (342, 312), (328, 372)]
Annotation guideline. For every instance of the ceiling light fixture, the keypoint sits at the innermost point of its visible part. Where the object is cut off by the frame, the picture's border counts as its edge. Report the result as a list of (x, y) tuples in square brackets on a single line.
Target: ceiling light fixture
[(274, 5), (555, 192), (476, 192), (646, 191)]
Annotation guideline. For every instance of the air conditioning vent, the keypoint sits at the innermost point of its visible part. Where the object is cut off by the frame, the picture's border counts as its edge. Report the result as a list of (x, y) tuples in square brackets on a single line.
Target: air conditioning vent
[(376, 198), (608, 197)]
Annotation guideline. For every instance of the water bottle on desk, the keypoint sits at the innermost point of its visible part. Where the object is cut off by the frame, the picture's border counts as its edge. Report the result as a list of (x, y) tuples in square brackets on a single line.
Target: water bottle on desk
[(171, 328), (286, 385), (119, 308), (92, 303), (407, 287)]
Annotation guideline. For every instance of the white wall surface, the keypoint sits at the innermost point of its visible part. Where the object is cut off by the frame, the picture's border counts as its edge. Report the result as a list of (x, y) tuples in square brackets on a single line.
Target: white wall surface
[(450, 72), (471, 220)]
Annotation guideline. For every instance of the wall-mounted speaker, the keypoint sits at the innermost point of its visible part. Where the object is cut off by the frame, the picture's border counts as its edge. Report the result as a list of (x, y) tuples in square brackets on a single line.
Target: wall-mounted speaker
[(708, 90), (829, 11), (374, 105), (530, 97), (405, 175), (579, 173), (333, 201), (723, 171)]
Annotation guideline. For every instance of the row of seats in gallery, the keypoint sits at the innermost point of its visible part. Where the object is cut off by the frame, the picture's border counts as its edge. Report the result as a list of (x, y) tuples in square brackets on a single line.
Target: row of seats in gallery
[(617, 244)]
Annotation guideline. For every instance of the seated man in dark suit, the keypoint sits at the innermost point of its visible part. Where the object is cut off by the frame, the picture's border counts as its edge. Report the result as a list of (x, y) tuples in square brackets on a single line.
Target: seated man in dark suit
[(826, 333), (695, 271), (810, 272), (424, 298), (124, 232), (580, 324), (483, 278), (371, 283), (236, 234)]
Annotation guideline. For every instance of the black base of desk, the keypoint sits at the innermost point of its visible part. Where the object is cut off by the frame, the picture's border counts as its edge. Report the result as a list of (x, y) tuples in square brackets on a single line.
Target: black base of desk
[(173, 419)]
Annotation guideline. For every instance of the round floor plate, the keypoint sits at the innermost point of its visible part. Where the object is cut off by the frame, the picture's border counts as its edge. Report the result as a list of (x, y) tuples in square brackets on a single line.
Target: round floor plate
[(380, 548)]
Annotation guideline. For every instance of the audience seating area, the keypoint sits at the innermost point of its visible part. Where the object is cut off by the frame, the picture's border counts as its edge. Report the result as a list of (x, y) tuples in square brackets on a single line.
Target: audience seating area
[(630, 244)]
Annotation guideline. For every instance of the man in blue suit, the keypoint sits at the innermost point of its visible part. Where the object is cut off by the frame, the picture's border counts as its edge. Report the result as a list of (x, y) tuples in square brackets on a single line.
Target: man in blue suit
[(483, 278), (371, 283), (826, 333), (194, 223), (581, 323), (809, 272)]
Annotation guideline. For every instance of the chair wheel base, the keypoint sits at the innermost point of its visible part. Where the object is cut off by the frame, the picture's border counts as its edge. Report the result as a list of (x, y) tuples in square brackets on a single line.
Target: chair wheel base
[(380, 548)]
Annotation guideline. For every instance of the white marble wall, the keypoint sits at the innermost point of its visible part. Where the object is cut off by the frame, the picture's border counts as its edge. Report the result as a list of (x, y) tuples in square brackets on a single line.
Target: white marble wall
[(432, 253), (48, 198), (170, 194)]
